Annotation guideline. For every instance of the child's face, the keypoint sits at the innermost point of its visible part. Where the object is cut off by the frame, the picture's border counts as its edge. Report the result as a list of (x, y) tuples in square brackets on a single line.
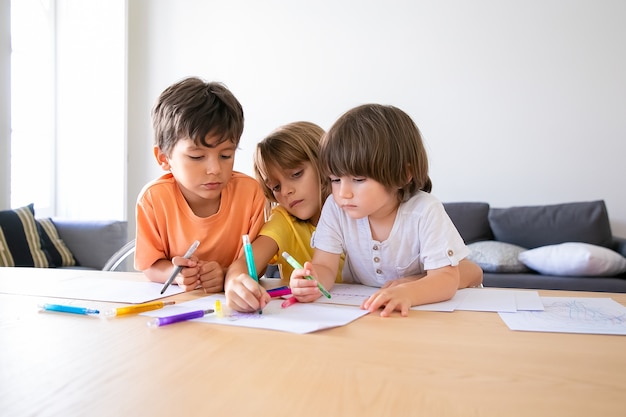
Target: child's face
[(360, 197), (297, 190), (201, 172)]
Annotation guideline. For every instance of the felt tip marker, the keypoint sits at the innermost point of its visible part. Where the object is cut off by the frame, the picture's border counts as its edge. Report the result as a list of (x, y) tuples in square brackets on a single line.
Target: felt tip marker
[(296, 265), (162, 321), (247, 249), (177, 269), (68, 309), (279, 292), (136, 309), (289, 302)]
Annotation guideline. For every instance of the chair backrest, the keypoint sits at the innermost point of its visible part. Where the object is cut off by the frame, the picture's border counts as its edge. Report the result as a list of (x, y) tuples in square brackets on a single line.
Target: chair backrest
[(120, 256)]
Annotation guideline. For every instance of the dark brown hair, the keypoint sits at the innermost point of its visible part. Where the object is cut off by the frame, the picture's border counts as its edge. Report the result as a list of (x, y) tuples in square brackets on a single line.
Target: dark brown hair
[(192, 108), (378, 142)]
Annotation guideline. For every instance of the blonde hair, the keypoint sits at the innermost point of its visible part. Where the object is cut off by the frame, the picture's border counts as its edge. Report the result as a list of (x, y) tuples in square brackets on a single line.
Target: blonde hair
[(288, 147), (378, 142)]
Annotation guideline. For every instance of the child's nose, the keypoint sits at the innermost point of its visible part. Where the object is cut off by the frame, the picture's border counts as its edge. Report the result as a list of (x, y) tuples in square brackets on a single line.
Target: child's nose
[(213, 166)]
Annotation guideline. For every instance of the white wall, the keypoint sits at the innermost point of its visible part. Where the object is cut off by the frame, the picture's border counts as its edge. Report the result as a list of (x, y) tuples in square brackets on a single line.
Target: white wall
[(520, 102), (5, 104)]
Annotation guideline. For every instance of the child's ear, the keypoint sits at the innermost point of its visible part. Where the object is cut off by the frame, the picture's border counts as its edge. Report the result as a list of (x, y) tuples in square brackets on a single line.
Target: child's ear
[(162, 159)]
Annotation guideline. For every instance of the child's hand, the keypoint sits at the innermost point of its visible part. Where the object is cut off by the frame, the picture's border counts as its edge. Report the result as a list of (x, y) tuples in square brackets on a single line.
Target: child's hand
[(211, 276), (188, 277), (245, 295), (303, 289), (392, 298)]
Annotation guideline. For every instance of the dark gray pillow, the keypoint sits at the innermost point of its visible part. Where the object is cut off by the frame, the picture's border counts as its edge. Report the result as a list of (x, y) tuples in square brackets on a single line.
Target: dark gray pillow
[(470, 219), (535, 226)]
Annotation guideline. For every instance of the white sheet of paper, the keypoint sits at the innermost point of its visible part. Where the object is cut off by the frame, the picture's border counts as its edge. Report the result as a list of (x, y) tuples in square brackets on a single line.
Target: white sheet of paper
[(571, 315), (472, 299), (80, 287), (299, 318)]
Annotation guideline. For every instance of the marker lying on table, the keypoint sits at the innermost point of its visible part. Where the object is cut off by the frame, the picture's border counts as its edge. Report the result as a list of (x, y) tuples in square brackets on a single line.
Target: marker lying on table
[(177, 269), (68, 309), (279, 292), (297, 265), (247, 249), (289, 302), (136, 309), (162, 321)]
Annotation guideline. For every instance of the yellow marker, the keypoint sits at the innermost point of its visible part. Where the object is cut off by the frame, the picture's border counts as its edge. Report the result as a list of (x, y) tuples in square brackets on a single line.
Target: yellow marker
[(218, 309), (137, 308)]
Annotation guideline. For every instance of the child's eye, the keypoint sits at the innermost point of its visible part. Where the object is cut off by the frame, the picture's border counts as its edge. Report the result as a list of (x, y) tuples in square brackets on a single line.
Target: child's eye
[(275, 188), (226, 156), (297, 174), (334, 179), (358, 179), (195, 158)]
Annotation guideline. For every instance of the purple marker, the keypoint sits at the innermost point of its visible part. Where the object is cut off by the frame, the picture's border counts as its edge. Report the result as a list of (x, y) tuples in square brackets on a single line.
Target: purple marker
[(162, 321)]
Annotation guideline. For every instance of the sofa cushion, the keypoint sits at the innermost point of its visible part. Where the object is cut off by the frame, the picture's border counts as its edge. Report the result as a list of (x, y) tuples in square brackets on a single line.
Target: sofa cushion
[(493, 256), (58, 252), (471, 220), (20, 241), (534, 226), (92, 242), (574, 259)]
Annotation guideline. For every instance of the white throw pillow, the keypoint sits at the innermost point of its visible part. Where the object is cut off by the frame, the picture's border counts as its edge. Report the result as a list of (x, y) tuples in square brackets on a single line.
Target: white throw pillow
[(574, 259), (493, 256)]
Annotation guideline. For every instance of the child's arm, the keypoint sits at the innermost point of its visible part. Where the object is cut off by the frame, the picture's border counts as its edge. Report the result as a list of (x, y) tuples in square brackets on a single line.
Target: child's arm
[(323, 268), (438, 285), (242, 292), (471, 275)]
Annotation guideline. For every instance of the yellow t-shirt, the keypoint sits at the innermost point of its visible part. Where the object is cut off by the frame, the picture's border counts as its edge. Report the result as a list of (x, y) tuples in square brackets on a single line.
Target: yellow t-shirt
[(293, 236), (166, 225)]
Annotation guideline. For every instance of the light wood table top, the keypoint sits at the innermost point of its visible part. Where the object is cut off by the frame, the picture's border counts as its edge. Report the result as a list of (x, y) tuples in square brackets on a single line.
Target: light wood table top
[(428, 364)]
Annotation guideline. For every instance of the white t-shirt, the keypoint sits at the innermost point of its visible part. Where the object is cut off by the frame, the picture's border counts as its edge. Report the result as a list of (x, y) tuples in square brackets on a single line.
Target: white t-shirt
[(422, 238)]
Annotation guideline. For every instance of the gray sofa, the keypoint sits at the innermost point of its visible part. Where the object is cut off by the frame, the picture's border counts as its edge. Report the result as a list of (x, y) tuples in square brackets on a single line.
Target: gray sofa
[(497, 237), (93, 242)]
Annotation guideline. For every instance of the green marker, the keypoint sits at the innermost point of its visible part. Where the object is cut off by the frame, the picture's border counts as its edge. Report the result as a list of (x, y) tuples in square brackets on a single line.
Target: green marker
[(296, 265)]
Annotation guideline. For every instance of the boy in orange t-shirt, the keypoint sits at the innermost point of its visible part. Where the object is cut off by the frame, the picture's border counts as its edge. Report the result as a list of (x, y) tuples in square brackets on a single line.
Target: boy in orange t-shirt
[(197, 127)]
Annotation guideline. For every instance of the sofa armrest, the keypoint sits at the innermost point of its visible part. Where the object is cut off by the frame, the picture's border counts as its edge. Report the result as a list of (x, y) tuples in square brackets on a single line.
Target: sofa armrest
[(92, 242), (619, 245)]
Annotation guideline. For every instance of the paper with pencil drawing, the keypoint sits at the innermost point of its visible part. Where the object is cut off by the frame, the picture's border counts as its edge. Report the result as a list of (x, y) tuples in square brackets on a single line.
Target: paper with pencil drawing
[(298, 318), (571, 315)]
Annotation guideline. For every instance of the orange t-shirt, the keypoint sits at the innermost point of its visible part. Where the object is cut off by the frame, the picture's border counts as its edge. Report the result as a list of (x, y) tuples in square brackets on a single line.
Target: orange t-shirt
[(166, 225)]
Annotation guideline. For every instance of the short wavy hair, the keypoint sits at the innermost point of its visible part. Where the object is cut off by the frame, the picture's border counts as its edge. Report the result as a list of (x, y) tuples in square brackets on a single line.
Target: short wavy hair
[(378, 142), (193, 108), (289, 146)]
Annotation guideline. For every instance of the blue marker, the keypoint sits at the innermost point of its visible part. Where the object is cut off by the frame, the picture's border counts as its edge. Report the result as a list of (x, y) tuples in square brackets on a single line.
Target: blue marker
[(68, 309)]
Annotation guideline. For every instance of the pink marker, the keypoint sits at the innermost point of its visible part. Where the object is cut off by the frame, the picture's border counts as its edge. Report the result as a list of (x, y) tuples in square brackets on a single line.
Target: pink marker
[(289, 301), (279, 292)]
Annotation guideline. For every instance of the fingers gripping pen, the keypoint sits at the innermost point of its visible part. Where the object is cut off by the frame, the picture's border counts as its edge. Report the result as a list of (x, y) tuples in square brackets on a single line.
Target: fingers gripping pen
[(177, 269), (296, 265)]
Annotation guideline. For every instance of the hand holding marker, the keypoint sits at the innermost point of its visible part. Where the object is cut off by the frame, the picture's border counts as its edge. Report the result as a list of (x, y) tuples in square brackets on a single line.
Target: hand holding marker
[(177, 269), (297, 265)]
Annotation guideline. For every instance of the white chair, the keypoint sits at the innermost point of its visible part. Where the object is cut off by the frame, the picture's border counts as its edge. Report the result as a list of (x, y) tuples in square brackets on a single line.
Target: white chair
[(120, 256)]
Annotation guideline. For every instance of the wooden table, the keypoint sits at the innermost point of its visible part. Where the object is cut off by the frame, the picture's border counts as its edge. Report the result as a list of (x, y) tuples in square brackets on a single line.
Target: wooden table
[(429, 364)]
